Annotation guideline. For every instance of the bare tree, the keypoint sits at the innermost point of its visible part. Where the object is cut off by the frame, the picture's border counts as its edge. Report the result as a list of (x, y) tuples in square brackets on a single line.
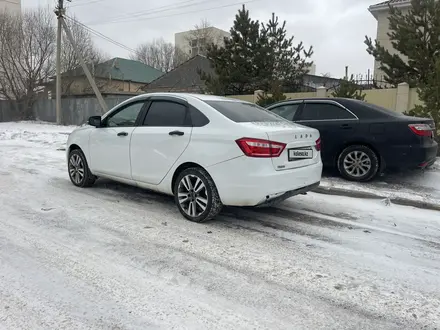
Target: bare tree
[(203, 35), (27, 48), (70, 63), (85, 46), (159, 54), (27, 56)]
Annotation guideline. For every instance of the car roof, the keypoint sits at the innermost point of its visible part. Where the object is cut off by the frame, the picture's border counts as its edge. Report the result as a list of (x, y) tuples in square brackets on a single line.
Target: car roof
[(187, 96), (183, 96), (362, 109)]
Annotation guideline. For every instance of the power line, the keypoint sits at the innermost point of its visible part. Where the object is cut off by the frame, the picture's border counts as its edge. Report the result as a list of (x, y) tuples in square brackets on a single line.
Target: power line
[(88, 2), (156, 10), (100, 35), (131, 50), (127, 14), (177, 14), (85, 3)]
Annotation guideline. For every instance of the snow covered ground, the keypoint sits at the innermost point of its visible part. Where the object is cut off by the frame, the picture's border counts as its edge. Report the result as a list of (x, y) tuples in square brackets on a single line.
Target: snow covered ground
[(415, 185), (116, 257)]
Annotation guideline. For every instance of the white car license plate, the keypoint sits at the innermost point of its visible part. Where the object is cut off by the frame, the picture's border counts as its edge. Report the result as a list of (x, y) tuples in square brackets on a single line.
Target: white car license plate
[(295, 154)]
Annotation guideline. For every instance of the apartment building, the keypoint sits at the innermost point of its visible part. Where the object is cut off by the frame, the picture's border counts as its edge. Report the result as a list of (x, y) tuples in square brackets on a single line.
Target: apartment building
[(194, 42)]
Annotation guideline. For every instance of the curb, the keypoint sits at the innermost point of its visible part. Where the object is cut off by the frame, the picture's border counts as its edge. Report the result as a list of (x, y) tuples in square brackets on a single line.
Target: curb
[(362, 194)]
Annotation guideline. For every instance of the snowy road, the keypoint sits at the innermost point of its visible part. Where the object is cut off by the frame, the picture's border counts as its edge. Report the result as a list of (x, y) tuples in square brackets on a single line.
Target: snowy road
[(116, 257)]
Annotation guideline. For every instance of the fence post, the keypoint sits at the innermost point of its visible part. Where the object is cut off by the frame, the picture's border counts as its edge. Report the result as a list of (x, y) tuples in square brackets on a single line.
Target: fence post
[(321, 91), (257, 95), (402, 98)]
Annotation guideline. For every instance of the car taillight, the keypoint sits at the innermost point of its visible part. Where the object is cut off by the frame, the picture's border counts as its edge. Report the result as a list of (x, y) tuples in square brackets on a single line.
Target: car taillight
[(421, 129), (260, 148), (318, 144)]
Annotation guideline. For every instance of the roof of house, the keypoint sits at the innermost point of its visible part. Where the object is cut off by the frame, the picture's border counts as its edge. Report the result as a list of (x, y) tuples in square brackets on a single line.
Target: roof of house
[(122, 69), (315, 81), (386, 4), (185, 76), (390, 2)]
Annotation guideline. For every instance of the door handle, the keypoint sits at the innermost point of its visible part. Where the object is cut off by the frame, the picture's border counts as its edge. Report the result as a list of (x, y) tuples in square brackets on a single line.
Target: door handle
[(122, 134), (178, 133)]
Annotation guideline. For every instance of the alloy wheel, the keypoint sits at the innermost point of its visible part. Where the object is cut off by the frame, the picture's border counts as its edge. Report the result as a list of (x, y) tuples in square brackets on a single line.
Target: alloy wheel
[(357, 164), (76, 169), (192, 195)]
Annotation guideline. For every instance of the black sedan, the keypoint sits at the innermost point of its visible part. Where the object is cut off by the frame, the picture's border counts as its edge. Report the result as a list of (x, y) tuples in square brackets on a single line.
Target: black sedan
[(361, 139)]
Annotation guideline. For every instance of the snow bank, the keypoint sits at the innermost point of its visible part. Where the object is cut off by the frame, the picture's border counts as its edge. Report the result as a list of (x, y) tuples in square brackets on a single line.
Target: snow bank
[(36, 132), (417, 185)]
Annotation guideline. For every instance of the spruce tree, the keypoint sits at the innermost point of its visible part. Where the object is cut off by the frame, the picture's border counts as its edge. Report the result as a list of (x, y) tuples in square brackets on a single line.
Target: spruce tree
[(416, 36), (429, 92), (286, 64), (257, 57), (276, 95), (235, 64), (349, 89)]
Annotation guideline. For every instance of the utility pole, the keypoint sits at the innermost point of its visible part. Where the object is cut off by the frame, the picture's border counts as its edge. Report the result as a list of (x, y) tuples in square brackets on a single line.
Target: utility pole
[(59, 11), (84, 66)]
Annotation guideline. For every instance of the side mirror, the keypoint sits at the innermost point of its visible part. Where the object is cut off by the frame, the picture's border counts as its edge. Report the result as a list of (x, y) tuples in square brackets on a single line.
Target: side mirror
[(95, 121)]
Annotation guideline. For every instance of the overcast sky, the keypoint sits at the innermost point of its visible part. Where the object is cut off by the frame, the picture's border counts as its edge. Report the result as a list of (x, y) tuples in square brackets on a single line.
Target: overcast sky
[(335, 28)]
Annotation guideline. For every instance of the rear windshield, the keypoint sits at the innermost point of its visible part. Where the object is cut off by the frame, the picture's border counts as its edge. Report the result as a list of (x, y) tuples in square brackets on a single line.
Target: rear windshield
[(242, 112)]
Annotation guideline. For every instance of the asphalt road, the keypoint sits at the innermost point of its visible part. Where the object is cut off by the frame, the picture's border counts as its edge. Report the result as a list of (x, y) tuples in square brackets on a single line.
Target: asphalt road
[(116, 257)]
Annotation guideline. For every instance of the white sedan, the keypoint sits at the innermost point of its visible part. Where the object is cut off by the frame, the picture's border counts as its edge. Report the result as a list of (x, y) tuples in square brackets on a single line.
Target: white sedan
[(207, 151)]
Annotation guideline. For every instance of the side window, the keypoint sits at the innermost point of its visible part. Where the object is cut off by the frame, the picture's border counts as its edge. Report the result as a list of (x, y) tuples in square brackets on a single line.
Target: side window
[(166, 114), (125, 117), (324, 111), (286, 111), (198, 119)]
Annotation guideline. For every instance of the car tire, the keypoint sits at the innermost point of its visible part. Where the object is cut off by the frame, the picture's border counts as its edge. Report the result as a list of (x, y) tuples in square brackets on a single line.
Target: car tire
[(78, 169), (196, 195), (358, 163)]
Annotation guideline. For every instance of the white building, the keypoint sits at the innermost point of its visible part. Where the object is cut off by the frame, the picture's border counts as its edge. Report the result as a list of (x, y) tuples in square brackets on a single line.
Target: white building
[(13, 6), (381, 13), (194, 42)]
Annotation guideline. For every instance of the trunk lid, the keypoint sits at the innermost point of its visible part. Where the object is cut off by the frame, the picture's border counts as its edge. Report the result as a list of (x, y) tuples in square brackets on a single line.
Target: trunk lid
[(300, 143), (418, 120)]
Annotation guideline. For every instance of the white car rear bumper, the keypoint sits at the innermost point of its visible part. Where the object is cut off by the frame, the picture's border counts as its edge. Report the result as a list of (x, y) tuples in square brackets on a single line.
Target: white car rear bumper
[(246, 181)]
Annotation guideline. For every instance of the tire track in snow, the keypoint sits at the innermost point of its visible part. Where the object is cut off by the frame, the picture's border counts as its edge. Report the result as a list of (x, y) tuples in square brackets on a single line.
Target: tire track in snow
[(277, 215), (139, 207), (63, 257)]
